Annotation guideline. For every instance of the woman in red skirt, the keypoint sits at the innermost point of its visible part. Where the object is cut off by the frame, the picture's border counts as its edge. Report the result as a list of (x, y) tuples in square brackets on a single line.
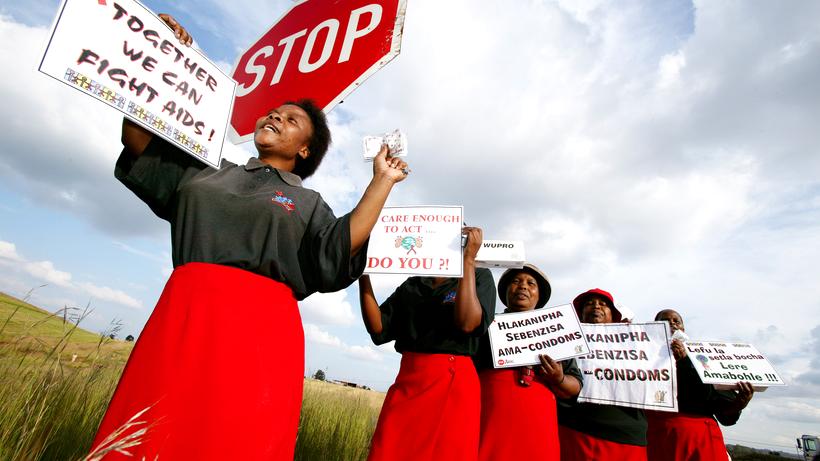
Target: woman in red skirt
[(518, 410), (432, 410), (593, 431), (218, 368), (693, 434)]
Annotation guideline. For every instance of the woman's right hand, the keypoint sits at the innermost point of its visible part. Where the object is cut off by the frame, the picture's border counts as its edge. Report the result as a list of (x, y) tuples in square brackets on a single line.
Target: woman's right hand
[(392, 168), (678, 350), (179, 31)]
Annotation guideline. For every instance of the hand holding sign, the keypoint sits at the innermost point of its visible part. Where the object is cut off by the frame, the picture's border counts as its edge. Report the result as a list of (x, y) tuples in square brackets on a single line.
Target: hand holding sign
[(474, 238), (179, 31)]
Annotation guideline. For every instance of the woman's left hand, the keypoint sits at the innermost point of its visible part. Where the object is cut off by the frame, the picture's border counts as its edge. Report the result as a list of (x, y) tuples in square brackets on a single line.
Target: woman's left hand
[(392, 168), (551, 371), (745, 391), (179, 32)]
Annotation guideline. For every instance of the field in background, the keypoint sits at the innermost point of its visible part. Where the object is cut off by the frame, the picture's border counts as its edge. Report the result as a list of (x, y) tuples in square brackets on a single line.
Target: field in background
[(56, 380)]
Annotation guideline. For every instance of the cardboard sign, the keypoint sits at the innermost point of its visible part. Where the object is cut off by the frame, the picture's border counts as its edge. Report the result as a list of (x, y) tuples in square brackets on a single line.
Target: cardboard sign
[(417, 240), (724, 364), (629, 365), (120, 53), (518, 338), (501, 253)]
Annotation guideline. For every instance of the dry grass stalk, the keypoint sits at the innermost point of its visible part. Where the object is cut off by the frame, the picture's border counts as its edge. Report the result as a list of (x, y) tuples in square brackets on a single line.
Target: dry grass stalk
[(116, 442)]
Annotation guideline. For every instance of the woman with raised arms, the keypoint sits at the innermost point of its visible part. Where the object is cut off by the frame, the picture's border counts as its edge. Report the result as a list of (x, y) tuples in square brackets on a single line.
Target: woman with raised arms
[(432, 410), (219, 366)]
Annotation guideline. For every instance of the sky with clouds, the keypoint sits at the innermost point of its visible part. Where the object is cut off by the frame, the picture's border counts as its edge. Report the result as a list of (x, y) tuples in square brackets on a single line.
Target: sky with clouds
[(664, 150)]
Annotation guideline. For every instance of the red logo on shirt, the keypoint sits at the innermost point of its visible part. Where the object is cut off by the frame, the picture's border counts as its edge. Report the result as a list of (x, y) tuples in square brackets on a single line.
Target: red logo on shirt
[(285, 202)]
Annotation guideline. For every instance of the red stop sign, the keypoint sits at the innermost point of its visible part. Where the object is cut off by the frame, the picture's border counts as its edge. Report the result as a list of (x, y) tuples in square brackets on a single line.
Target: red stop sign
[(319, 49)]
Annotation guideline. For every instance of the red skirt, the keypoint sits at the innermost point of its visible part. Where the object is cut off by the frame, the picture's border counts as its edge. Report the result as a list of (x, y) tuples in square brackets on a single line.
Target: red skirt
[(684, 437), (517, 422), (577, 446), (220, 363), (431, 412)]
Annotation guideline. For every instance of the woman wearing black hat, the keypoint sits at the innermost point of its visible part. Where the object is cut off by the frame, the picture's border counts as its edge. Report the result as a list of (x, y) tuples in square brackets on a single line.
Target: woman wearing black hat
[(593, 431), (518, 409), (693, 432)]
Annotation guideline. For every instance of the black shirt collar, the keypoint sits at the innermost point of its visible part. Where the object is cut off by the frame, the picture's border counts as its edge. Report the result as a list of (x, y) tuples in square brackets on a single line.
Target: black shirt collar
[(290, 178)]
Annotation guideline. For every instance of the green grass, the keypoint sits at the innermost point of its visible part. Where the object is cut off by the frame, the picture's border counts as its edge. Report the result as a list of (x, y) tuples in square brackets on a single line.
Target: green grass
[(56, 380)]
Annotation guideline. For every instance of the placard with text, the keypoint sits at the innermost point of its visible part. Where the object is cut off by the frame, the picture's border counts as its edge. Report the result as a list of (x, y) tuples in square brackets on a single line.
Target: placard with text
[(724, 364), (518, 338), (417, 240), (120, 53), (629, 365)]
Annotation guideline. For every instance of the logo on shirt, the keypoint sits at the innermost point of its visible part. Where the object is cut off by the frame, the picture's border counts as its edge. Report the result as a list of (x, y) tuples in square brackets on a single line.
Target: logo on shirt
[(450, 297), (283, 201)]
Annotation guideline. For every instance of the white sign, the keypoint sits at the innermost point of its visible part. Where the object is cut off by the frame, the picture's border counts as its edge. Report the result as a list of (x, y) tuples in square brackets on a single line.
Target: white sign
[(120, 53), (629, 365), (501, 253), (418, 240), (724, 364), (518, 338)]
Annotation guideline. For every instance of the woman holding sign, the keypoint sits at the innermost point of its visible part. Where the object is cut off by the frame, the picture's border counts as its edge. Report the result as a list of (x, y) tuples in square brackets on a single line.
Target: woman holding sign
[(432, 410), (693, 432), (217, 372), (518, 409), (593, 431)]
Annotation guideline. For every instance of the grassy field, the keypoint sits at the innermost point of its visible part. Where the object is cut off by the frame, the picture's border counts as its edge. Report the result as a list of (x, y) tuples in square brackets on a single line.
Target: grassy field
[(56, 380)]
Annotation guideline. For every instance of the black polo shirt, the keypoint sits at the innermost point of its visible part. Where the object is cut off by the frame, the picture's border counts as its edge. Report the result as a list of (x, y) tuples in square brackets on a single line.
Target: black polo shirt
[(697, 398), (608, 422), (419, 317), (252, 217)]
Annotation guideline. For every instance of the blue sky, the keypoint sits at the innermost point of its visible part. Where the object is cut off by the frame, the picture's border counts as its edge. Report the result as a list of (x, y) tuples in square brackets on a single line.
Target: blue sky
[(665, 151)]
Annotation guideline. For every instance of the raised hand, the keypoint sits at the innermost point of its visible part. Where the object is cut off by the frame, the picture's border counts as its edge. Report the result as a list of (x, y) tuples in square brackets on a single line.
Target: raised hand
[(179, 31)]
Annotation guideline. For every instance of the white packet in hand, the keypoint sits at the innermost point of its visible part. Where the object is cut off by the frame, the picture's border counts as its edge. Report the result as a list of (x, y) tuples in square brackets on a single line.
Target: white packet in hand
[(396, 141), (678, 334)]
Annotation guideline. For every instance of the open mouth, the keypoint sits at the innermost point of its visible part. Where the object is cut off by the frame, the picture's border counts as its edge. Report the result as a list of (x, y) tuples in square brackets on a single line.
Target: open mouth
[(270, 127)]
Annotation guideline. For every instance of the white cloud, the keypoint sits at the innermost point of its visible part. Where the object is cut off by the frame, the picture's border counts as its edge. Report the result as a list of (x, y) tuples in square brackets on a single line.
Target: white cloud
[(110, 294), (315, 334), (365, 353), (45, 271), (9, 251), (328, 308)]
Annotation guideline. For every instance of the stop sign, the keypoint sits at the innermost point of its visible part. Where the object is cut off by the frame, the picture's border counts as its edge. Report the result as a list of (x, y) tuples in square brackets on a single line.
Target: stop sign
[(319, 49)]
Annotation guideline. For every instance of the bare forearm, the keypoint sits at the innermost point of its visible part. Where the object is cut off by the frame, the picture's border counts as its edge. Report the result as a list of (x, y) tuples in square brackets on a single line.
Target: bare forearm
[(568, 388), (371, 315), (134, 137), (367, 211), (467, 315)]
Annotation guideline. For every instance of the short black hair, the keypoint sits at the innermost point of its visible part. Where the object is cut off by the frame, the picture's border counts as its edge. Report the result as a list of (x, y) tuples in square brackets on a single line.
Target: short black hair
[(319, 142)]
